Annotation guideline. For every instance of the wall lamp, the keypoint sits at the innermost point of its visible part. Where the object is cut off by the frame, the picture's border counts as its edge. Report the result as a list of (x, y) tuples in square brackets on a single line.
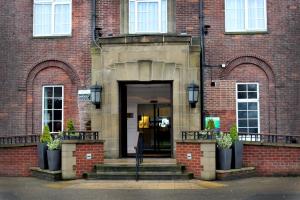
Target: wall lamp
[(96, 92), (193, 92)]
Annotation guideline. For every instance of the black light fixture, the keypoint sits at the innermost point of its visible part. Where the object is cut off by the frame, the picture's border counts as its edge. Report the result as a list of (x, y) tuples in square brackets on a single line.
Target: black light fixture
[(193, 92), (96, 91)]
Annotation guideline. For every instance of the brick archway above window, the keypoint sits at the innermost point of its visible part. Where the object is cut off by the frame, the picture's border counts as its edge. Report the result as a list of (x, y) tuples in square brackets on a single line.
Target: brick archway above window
[(51, 63), (249, 59)]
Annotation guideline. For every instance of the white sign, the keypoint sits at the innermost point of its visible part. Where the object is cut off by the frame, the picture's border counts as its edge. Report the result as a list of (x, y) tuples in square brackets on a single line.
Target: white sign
[(189, 156), (84, 95), (88, 156)]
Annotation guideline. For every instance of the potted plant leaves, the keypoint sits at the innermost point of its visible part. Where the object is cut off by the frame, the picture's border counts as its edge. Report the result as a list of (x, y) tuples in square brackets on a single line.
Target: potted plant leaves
[(224, 143), (237, 149), (210, 129), (42, 147), (71, 130), (54, 154)]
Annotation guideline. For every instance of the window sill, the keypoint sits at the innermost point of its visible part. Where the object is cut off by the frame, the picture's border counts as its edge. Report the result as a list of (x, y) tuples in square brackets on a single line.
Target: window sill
[(246, 33), (52, 37)]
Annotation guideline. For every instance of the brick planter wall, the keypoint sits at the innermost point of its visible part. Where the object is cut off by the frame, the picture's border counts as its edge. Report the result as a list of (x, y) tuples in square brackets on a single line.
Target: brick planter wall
[(203, 161), (15, 160), (272, 159)]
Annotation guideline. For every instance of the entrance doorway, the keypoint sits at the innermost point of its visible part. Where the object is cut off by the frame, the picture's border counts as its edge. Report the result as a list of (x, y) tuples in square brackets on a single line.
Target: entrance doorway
[(146, 108)]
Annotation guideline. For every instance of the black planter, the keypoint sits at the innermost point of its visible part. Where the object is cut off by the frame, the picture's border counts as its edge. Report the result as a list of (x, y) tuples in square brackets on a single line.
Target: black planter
[(42, 155), (224, 159), (54, 159), (237, 155)]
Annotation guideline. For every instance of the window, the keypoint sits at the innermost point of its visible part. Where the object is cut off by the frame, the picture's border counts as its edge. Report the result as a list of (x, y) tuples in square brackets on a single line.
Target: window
[(52, 17), (53, 103), (248, 107), (148, 16), (245, 15)]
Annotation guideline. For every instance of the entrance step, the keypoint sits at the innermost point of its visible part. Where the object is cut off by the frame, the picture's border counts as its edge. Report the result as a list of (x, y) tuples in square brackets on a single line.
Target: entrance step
[(232, 174), (150, 169)]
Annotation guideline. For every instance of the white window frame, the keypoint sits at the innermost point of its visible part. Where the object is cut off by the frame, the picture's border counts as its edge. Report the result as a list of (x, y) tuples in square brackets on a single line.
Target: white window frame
[(248, 100), (136, 16), (53, 3), (246, 29), (62, 108)]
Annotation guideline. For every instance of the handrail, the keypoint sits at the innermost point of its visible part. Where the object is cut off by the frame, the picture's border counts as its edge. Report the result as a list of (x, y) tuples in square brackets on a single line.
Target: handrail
[(139, 151), (20, 139)]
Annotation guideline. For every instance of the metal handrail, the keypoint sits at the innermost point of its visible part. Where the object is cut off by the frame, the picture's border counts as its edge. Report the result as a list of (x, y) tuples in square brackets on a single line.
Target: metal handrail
[(139, 151), (81, 135)]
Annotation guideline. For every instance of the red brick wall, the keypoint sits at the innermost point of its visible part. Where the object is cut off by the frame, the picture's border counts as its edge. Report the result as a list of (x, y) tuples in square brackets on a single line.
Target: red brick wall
[(193, 165), (16, 161), (276, 48), (21, 52), (272, 160), (84, 165)]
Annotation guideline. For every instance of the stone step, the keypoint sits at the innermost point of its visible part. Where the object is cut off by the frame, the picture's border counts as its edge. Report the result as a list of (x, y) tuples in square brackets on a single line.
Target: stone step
[(232, 174), (143, 168), (146, 161), (142, 176)]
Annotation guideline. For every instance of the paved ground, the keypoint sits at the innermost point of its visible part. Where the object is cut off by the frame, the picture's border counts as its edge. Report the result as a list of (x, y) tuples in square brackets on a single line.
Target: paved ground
[(246, 189)]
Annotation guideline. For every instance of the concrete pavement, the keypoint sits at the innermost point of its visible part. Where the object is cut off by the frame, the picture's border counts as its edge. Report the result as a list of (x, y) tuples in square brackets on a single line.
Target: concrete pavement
[(279, 188)]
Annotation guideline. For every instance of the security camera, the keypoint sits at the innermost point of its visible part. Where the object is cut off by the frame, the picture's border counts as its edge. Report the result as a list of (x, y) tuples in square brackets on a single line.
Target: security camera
[(223, 65)]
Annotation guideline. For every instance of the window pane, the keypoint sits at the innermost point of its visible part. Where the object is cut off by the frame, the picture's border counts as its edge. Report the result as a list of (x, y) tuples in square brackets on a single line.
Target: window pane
[(57, 103), (243, 130), (42, 19), (58, 92), (147, 19), (164, 12), (242, 114), (62, 22), (50, 126), (252, 95), (252, 87), (48, 92), (57, 115), (242, 123), (57, 126), (131, 17), (252, 114), (242, 95), (253, 130), (252, 106), (242, 106), (242, 87), (48, 103), (253, 123), (48, 115)]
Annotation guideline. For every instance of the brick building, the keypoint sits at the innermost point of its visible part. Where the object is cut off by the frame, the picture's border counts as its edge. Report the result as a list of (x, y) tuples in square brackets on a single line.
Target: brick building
[(145, 56)]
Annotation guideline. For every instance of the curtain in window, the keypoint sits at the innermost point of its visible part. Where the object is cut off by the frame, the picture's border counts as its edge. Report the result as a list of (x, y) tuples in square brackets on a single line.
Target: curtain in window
[(256, 17), (164, 12), (147, 17), (235, 15), (62, 18), (42, 19)]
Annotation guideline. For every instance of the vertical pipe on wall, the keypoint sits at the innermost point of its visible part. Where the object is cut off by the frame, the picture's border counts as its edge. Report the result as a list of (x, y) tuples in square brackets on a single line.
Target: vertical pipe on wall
[(202, 61)]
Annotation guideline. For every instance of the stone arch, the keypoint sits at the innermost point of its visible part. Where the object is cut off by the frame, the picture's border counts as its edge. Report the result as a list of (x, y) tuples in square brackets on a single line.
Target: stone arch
[(28, 83)]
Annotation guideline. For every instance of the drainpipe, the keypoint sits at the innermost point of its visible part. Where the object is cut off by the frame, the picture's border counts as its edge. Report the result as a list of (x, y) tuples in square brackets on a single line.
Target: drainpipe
[(93, 20), (202, 61)]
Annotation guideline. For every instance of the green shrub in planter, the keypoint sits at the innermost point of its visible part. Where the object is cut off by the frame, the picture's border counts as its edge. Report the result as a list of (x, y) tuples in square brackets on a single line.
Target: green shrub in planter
[(42, 147), (224, 152), (54, 155), (237, 149), (70, 130), (210, 128)]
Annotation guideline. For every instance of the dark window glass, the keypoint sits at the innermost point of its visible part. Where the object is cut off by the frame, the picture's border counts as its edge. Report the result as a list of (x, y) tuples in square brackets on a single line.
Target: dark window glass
[(253, 123), (242, 87), (252, 114), (50, 126), (48, 115), (57, 126), (57, 115), (57, 104), (242, 95), (243, 130), (242, 114), (252, 95), (48, 92), (48, 104), (57, 92), (242, 123), (242, 106), (252, 106), (253, 130), (252, 87)]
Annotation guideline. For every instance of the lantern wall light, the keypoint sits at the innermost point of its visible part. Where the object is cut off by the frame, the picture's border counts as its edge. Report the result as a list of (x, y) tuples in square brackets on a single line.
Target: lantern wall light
[(193, 94), (96, 93)]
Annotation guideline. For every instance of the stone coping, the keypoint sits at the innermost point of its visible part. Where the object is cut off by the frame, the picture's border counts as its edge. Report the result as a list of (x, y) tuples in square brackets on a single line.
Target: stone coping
[(45, 170), (82, 141), (17, 145), (235, 170), (271, 144), (197, 141), (146, 38)]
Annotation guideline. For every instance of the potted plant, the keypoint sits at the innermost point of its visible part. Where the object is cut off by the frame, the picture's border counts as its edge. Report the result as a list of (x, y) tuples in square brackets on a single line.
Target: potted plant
[(237, 149), (224, 143), (210, 128), (42, 147), (54, 154), (71, 130)]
